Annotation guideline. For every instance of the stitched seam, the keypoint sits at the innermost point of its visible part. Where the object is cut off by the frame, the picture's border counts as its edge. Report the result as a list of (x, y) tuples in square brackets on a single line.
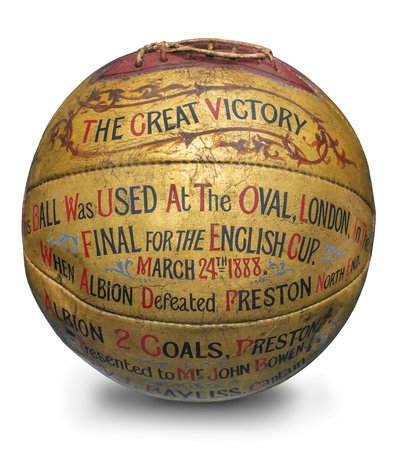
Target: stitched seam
[(238, 67), (187, 324), (235, 163)]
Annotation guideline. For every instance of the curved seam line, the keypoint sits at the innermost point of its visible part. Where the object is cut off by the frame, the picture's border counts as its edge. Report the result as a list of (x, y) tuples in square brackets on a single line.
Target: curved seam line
[(238, 66), (211, 324), (235, 163)]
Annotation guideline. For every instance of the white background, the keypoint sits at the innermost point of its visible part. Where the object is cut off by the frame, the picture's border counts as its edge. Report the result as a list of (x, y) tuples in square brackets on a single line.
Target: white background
[(349, 397)]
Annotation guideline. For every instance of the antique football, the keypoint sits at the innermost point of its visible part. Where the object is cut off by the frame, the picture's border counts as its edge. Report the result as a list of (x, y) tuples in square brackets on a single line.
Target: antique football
[(198, 220)]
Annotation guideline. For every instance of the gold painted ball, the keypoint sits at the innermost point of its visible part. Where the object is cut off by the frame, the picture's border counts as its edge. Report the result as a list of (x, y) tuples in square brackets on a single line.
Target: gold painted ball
[(198, 220)]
